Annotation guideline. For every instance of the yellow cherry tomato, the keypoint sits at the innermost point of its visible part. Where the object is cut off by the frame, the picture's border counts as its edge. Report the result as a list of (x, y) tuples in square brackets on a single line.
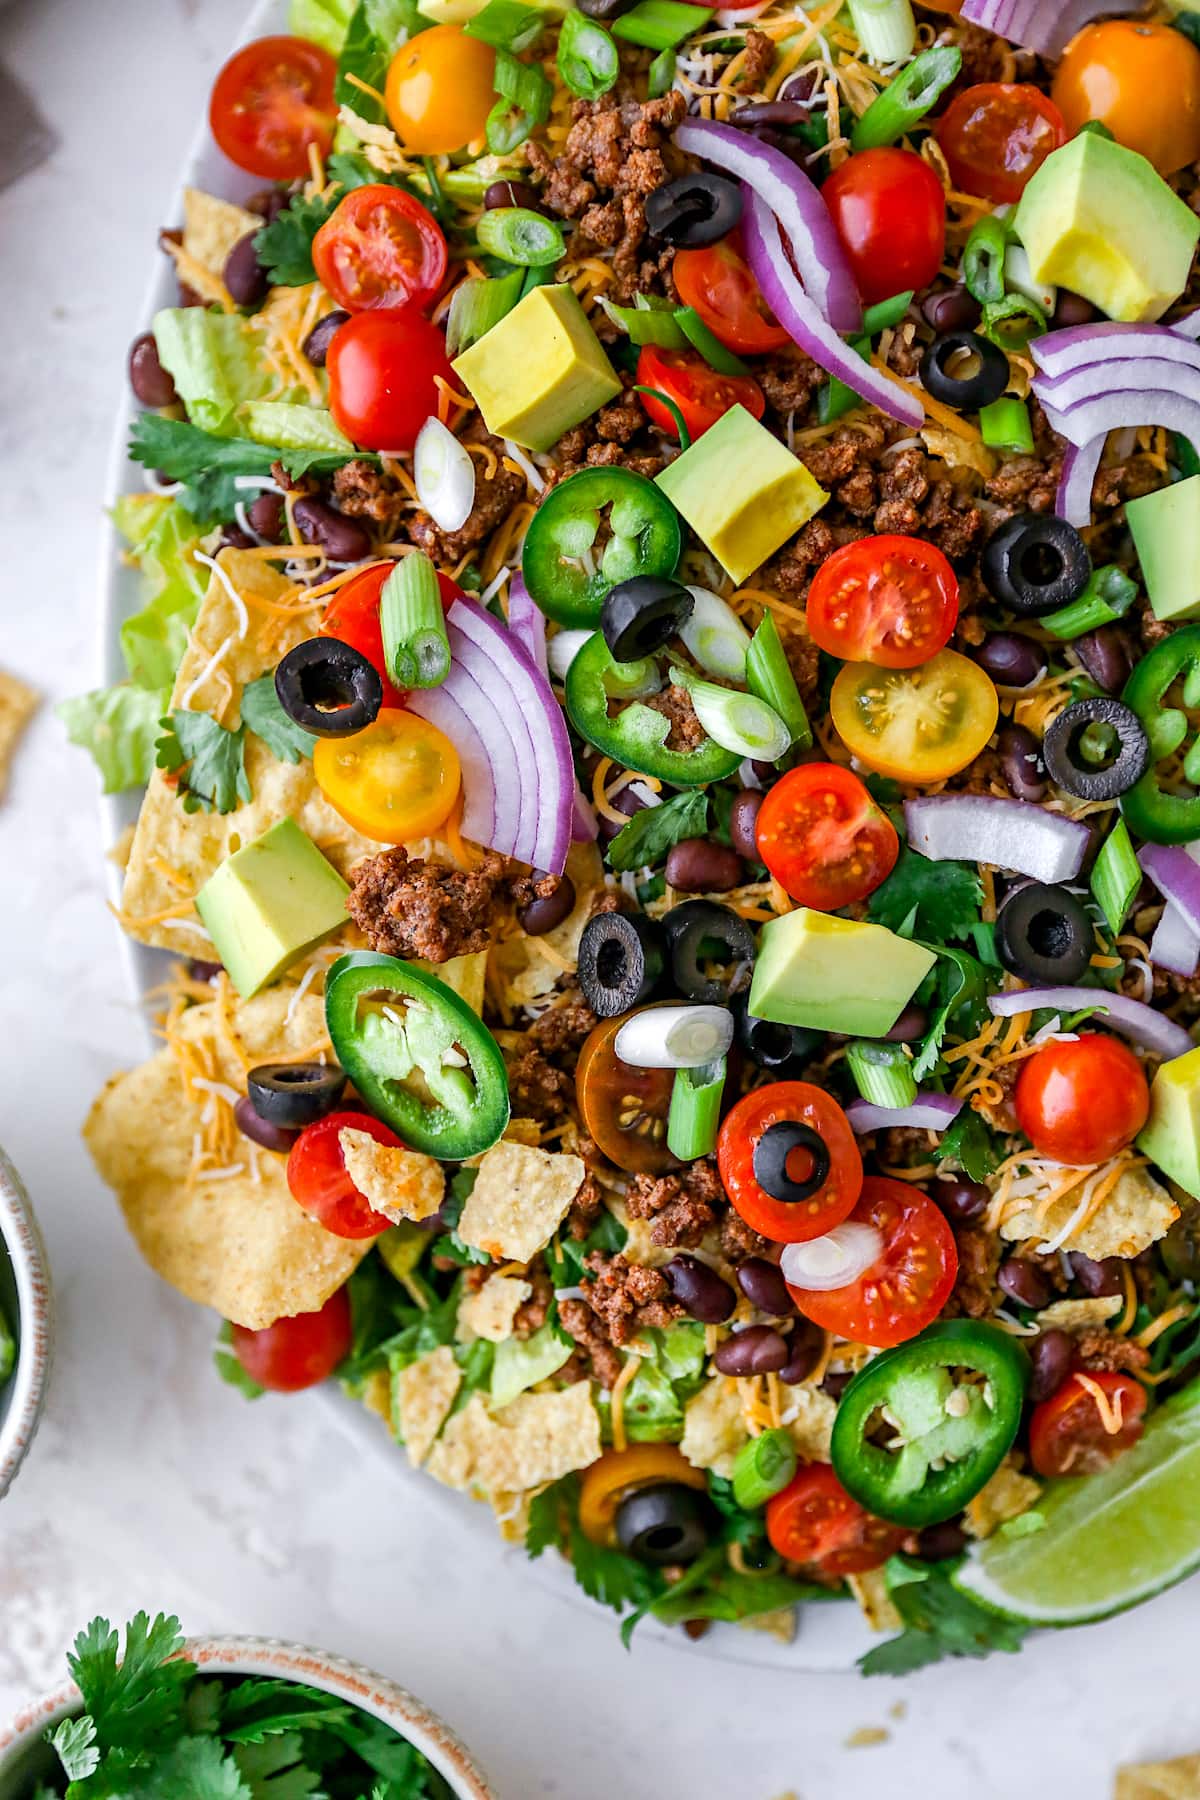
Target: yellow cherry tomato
[(620, 1473), (1139, 79), (915, 724), (394, 781), (440, 90)]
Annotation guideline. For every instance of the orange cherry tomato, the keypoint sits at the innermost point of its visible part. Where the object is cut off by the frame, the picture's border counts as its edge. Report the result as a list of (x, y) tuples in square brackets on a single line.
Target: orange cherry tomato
[(906, 1289), (716, 280), (995, 138), (624, 1109), (273, 99), (823, 838), (919, 725), (816, 1522), (380, 247), (790, 1103), (1081, 1100), (1079, 1431), (1142, 81), (300, 1351), (440, 90), (887, 600), (890, 214), (620, 1473), (395, 781), (702, 394), (383, 368)]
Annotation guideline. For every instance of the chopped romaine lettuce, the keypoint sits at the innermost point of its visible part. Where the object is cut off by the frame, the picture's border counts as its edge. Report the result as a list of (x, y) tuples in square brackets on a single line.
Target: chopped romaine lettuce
[(215, 360), (120, 726), (522, 1362), (292, 427), (324, 22)]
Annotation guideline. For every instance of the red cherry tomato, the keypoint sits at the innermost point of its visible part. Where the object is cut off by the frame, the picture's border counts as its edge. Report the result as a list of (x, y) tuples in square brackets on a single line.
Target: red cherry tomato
[(717, 282), (380, 247), (1081, 1100), (906, 1289), (702, 395), (886, 600), (823, 838), (316, 1175), (271, 101), (890, 213), (790, 1103), (352, 617), (995, 137), (382, 369), (815, 1521), (298, 1352), (1087, 1424)]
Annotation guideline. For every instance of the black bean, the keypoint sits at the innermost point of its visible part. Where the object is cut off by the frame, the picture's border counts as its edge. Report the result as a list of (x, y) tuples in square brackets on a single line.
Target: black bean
[(771, 112), (204, 971), (743, 817), (513, 193), (267, 516), (1108, 656), (699, 1290), (952, 309), (836, 1382), (316, 344), (1072, 309), (766, 772), (912, 1024), (245, 277), (260, 1131), (698, 866), (268, 203), (147, 377), (1099, 1280), (960, 1199), (1024, 1283), (756, 1351), (541, 916), (234, 538), (1051, 1354), (1021, 763), (938, 1542), (805, 1345), (763, 1285), (626, 802), (342, 540), (806, 87), (1010, 659)]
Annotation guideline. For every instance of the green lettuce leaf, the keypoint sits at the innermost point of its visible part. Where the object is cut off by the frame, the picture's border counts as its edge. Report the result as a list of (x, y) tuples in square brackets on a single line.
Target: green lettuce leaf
[(161, 535), (120, 727), (323, 22), (665, 1382), (293, 427), (520, 1363), (375, 33), (215, 360)]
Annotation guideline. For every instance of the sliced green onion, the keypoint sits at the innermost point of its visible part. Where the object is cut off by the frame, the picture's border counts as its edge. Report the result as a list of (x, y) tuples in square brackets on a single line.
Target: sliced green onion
[(1107, 597), (695, 1112), (886, 29), (983, 260), (660, 77), (506, 128), (716, 636), (521, 237), (507, 25), (769, 676), (763, 1468), (1005, 425), (913, 94), (708, 343), (882, 1073), (415, 646), (477, 305), (736, 721), (538, 278), (524, 85), (665, 400), (587, 57), (674, 1037), (1010, 323), (647, 324), (660, 24), (1116, 877), (1019, 279), (886, 313)]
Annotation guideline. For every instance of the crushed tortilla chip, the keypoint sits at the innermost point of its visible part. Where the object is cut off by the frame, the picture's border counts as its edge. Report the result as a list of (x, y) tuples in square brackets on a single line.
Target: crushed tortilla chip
[(958, 452), (535, 1439), (1175, 1780), (399, 1183), (520, 1198), (808, 1417), (1135, 1215), (529, 971), (1006, 1496), (491, 1311), (714, 1426), (18, 703), (522, 1131), (465, 974), (377, 1394), (878, 1608), (512, 1516), (226, 1240), (1079, 1315), (639, 1245), (425, 1392), (212, 227), (780, 1624)]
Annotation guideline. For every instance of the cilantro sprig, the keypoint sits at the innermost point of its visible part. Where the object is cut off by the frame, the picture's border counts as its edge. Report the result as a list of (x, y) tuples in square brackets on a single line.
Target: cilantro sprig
[(939, 901), (938, 1621)]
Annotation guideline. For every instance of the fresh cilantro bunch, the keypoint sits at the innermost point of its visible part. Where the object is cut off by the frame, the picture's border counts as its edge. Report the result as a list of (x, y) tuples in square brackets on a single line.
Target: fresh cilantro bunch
[(938, 1621)]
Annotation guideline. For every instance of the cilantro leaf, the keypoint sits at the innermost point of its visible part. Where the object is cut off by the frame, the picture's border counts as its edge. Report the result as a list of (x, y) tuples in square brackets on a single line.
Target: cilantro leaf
[(960, 990), (611, 1577), (275, 1770), (266, 718), (208, 465), (284, 247), (194, 1768), (209, 759), (546, 1516), (942, 899), (264, 1708), (970, 1144), (657, 829), (230, 1369), (939, 1621), (75, 1742), (137, 1700)]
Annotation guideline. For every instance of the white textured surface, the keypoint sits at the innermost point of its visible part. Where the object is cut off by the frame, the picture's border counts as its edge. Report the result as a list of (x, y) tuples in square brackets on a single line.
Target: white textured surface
[(150, 1483)]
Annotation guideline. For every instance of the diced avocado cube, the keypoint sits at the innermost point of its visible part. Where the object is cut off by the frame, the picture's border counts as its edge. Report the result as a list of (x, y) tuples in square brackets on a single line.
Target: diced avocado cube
[(1171, 1136), (1100, 219), (742, 492), (539, 372), (834, 974), (270, 902), (1165, 527)]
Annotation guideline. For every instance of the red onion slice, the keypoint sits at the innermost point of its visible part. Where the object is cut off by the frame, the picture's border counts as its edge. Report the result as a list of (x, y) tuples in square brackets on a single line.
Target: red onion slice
[(1008, 834), (1079, 346), (1175, 946), (930, 1111), (1081, 465), (527, 622), (1176, 874), (833, 1261), (1132, 1018), (516, 794), (447, 708), (1046, 26)]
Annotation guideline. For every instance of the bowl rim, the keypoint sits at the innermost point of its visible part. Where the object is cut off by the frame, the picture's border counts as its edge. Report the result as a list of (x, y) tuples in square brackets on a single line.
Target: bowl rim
[(34, 1323), (376, 1694)]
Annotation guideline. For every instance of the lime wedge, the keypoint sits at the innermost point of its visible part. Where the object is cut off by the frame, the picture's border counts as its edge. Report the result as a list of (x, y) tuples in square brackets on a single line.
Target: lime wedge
[(1108, 1540)]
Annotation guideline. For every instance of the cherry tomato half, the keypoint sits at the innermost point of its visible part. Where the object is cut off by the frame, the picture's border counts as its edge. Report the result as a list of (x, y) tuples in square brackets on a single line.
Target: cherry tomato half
[(382, 369), (995, 138), (440, 90), (624, 1109), (1118, 73), (317, 1178), (717, 282), (887, 600), (298, 1352), (271, 101), (816, 1522), (352, 617), (1081, 1100), (395, 781), (702, 395), (915, 724), (1078, 1432), (890, 213), (790, 1103), (380, 247), (823, 838), (906, 1289)]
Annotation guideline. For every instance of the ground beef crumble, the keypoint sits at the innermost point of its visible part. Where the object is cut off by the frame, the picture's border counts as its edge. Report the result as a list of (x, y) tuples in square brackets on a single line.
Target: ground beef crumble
[(1099, 1351), (541, 1079), (683, 1207), (675, 705), (976, 1294), (408, 907), (627, 1297)]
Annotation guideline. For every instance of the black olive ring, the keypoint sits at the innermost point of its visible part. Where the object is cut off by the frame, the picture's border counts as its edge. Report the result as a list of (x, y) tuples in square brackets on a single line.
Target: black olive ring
[(1044, 935), (775, 1046), (770, 1161), (295, 1094), (1034, 564), (967, 393), (700, 930), (663, 1524), (328, 688), (694, 209), (620, 960), (1113, 766), (639, 616)]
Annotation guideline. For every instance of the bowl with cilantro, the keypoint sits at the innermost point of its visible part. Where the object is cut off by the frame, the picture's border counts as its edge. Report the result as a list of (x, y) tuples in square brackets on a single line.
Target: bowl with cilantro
[(160, 1716), (26, 1324)]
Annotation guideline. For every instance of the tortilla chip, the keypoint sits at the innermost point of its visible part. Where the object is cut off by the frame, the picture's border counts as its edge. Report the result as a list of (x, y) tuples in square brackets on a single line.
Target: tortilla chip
[(808, 1417), (1006, 1496), (878, 1608), (780, 1624), (714, 1426), (399, 1183), (425, 1392), (639, 1246), (1176, 1780), (1135, 1215), (377, 1395), (512, 1516), (1079, 1315), (957, 451), (532, 967), (521, 1131), (520, 1198), (211, 228), (465, 974), (227, 1241), (18, 703), (535, 1439), (490, 1311)]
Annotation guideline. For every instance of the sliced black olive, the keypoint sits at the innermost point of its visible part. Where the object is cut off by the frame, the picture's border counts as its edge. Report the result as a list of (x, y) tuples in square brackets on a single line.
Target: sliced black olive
[(328, 688), (774, 1046), (1035, 564), (771, 1153), (964, 370), (1044, 935), (1097, 749), (620, 959), (661, 1525), (640, 616), (696, 209), (700, 931), (295, 1094)]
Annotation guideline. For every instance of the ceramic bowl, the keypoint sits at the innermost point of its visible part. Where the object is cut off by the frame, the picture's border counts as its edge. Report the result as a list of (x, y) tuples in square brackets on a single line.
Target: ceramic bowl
[(26, 1305)]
